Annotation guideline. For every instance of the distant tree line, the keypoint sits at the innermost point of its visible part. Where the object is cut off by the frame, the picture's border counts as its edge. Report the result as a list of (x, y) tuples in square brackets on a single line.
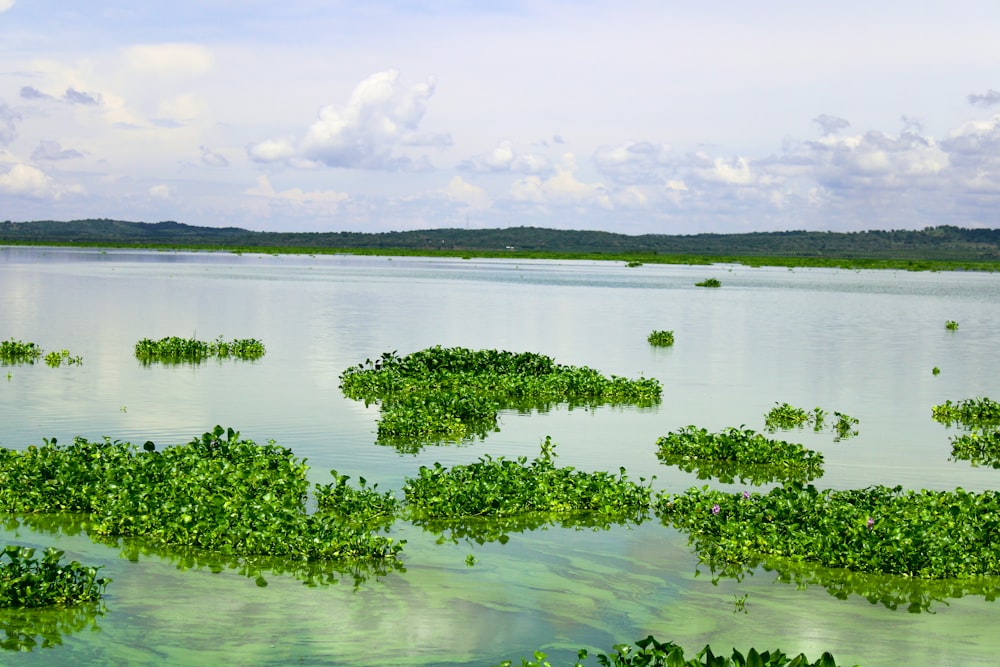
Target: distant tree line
[(942, 243)]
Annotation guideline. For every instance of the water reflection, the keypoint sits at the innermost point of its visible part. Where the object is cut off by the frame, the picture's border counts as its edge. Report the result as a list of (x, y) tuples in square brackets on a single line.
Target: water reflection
[(729, 472), (892, 592), (482, 530), (28, 629)]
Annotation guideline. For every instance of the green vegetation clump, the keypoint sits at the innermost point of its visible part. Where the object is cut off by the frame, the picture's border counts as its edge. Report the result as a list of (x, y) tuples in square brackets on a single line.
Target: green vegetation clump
[(877, 530), (176, 350), (661, 338), (970, 412), (218, 493), (649, 652), (26, 581), (19, 352), (452, 394), (738, 453), (56, 359), (501, 487), (785, 416), (978, 448), (709, 282), (951, 325)]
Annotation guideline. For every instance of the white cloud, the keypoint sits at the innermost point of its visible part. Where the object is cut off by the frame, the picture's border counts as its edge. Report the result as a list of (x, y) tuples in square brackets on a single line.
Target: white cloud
[(634, 162), (160, 191), (51, 150), (561, 188), (325, 199), (466, 193), (169, 59), (504, 158), (6, 4), (380, 118), (25, 180), (8, 127)]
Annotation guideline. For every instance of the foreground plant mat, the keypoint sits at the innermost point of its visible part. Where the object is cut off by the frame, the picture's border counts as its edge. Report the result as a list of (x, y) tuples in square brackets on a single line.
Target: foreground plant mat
[(454, 394), (650, 652), (735, 453), (501, 487), (176, 350), (878, 530), (219, 493)]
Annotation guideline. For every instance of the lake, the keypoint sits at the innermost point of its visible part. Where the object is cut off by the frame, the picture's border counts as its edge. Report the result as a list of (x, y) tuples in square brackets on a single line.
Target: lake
[(862, 343)]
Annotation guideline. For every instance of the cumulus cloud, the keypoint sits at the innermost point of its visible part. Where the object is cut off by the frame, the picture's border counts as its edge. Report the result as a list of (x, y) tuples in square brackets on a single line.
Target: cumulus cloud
[(51, 150), (8, 124), (561, 188), (466, 193), (6, 4), (169, 59), (504, 158), (988, 99), (831, 124), (27, 181), (297, 196), (212, 159), (73, 96), (633, 162), (381, 117), (30, 93), (160, 191)]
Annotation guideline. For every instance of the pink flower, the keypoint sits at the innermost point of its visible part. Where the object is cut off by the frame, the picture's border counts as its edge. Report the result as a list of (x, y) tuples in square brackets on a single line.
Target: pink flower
[(715, 509), (871, 522)]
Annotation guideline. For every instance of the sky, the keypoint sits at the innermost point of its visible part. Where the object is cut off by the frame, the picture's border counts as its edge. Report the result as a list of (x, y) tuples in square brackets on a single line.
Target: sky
[(658, 117)]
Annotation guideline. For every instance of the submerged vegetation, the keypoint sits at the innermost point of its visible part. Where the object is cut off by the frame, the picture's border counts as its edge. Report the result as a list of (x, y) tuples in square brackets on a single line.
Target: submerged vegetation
[(176, 350), (453, 394), (661, 338), (650, 652), (738, 453), (26, 581)]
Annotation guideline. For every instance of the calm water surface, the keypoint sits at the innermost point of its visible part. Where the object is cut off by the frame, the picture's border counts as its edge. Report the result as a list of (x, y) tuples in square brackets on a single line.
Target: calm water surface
[(859, 342)]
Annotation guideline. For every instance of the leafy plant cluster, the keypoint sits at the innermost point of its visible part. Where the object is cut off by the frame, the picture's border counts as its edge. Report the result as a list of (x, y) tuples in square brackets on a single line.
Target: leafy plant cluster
[(176, 350), (981, 416), (927, 534), (661, 338), (951, 325), (55, 359), (451, 394), (785, 416), (650, 652), (741, 453), (971, 413), (26, 581), (19, 352), (709, 282), (218, 493), (501, 487)]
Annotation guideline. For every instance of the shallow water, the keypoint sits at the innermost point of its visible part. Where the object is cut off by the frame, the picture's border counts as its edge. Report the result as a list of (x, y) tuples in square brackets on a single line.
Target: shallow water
[(860, 342)]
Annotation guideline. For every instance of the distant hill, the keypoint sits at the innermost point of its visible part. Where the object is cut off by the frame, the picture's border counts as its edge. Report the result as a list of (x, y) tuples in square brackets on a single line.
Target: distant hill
[(944, 243)]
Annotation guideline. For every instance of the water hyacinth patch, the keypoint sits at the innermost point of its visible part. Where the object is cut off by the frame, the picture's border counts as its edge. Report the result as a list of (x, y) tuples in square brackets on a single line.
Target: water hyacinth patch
[(454, 394), (879, 530), (650, 652), (738, 453), (501, 487), (26, 581), (176, 350), (970, 412), (709, 282), (978, 448), (19, 352), (786, 416), (661, 338), (56, 359), (218, 493)]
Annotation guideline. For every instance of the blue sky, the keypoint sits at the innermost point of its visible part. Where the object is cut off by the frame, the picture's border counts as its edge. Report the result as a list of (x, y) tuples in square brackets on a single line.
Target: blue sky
[(634, 117)]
